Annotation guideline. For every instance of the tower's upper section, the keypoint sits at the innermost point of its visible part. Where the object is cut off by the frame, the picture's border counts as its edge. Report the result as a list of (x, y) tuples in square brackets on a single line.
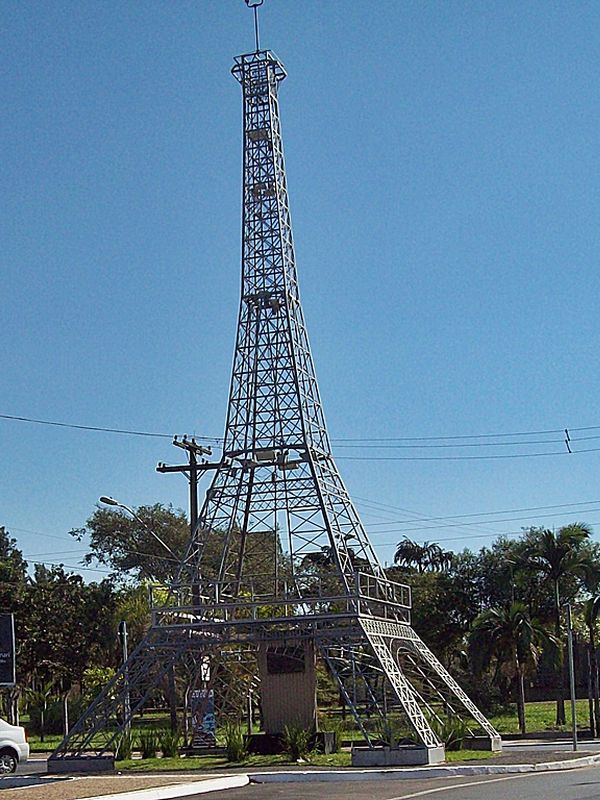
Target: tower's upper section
[(254, 67)]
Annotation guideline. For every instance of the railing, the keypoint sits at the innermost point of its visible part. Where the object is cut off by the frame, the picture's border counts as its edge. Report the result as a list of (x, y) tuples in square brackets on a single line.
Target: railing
[(308, 596)]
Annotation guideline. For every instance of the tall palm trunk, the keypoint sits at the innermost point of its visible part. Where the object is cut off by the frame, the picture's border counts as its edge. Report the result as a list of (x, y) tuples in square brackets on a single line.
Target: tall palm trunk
[(560, 678), (521, 699), (590, 684)]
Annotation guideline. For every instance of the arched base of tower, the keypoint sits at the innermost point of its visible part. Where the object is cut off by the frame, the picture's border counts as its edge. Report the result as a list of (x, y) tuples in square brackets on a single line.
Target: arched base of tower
[(246, 668)]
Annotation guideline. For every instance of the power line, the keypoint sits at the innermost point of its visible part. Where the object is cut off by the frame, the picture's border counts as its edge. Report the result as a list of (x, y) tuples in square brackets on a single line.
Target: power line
[(468, 524), (100, 428), (371, 442), (463, 444), (466, 458), (491, 513), (468, 435)]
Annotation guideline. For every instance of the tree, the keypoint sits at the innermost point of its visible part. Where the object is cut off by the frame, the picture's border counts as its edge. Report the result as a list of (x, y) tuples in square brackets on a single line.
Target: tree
[(559, 557), (507, 636), (127, 546), (67, 626), (426, 557)]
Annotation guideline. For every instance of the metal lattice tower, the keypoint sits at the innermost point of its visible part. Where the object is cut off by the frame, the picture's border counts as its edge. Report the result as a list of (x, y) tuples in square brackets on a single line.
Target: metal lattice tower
[(277, 489), (279, 471)]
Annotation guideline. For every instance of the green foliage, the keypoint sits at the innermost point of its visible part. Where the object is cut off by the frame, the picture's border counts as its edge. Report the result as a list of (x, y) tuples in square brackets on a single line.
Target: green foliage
[(124, 746), (95, 679), (65, 627), (38, 701), (391, 733), (168, 742), (54, 719), (149, 742), (451, 731), (426, 557), (296, 741), (235, 742), (127, 546)]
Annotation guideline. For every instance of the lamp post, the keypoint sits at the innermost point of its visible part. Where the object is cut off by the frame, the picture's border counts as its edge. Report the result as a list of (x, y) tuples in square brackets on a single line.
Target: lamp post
[(110, 501), (571, 673)]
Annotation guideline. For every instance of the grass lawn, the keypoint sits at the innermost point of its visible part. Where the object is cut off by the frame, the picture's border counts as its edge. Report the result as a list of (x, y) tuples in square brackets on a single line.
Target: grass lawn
[(219, 762), (334, 760), (540, 717)]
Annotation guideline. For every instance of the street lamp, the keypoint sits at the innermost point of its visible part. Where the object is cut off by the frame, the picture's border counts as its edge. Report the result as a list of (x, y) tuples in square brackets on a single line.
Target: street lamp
[(110, 501), (567, 606)]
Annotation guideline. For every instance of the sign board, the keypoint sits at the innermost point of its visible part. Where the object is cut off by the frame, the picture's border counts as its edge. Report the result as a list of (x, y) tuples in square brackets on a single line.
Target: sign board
[(202, 703), (7, 650)]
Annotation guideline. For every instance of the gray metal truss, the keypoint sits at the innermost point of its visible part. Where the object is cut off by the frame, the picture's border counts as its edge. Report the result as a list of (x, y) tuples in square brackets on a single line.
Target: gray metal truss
[(277, 483)]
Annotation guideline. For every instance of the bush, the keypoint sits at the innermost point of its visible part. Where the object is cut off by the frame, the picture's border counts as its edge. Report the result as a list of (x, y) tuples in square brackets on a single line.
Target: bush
[(451, 731), (169, 742), (149, 742), (124, 746), (54, 715), (235, 743), (296, 741), (392, 734), (95, 679)]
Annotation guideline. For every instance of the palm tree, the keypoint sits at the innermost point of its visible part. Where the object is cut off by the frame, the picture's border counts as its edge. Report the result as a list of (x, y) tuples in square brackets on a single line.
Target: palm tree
[(558, 556), (507, 636), (426, 557)]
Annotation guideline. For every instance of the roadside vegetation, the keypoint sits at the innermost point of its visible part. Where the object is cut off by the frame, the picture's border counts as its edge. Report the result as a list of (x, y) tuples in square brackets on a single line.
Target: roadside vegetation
[(495, 618)]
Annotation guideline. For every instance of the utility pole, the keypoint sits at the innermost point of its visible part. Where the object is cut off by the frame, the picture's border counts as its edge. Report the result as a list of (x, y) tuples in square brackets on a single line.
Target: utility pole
[(191, 470)]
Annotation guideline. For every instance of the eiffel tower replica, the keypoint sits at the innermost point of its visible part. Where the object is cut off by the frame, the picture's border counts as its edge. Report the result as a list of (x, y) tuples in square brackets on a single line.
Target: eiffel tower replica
[(296, 581)]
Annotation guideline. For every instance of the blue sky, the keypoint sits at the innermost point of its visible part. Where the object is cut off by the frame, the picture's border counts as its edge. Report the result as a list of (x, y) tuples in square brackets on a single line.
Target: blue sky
[(445, 189)]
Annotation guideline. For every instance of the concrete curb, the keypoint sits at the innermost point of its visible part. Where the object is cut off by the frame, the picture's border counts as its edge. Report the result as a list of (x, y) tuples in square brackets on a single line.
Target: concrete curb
[(392, 773), (405, 773), (180, 789)]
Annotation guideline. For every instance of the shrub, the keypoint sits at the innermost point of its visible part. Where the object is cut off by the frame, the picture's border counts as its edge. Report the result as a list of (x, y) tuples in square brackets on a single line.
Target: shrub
[(95, 679), (54, 714), (296, 741), (149, 742), (124, 746), (392, 734), (235, 742), (169, 742), (451, 731)]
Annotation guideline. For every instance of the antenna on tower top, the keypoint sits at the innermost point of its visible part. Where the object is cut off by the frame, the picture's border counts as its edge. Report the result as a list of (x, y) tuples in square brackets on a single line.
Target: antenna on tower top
[(254, 5)]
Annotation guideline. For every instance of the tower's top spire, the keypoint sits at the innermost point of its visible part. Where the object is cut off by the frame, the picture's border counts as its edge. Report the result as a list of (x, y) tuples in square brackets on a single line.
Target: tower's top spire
[(254, 5)]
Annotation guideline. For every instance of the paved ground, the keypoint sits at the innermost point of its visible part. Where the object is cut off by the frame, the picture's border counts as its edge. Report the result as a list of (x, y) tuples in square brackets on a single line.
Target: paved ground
[(579, 784), (31, 782)]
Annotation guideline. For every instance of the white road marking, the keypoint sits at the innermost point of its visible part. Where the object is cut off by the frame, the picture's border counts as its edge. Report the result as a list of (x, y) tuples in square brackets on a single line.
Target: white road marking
[(464, 785)]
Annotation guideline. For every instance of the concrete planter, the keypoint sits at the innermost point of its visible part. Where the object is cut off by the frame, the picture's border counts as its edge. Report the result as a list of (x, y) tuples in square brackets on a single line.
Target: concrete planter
[(493, 744), (81, 764), (407, 755)]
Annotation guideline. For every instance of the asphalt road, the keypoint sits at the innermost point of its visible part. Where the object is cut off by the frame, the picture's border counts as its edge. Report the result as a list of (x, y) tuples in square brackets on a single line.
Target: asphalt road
[(577, 784), (35, 766)]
